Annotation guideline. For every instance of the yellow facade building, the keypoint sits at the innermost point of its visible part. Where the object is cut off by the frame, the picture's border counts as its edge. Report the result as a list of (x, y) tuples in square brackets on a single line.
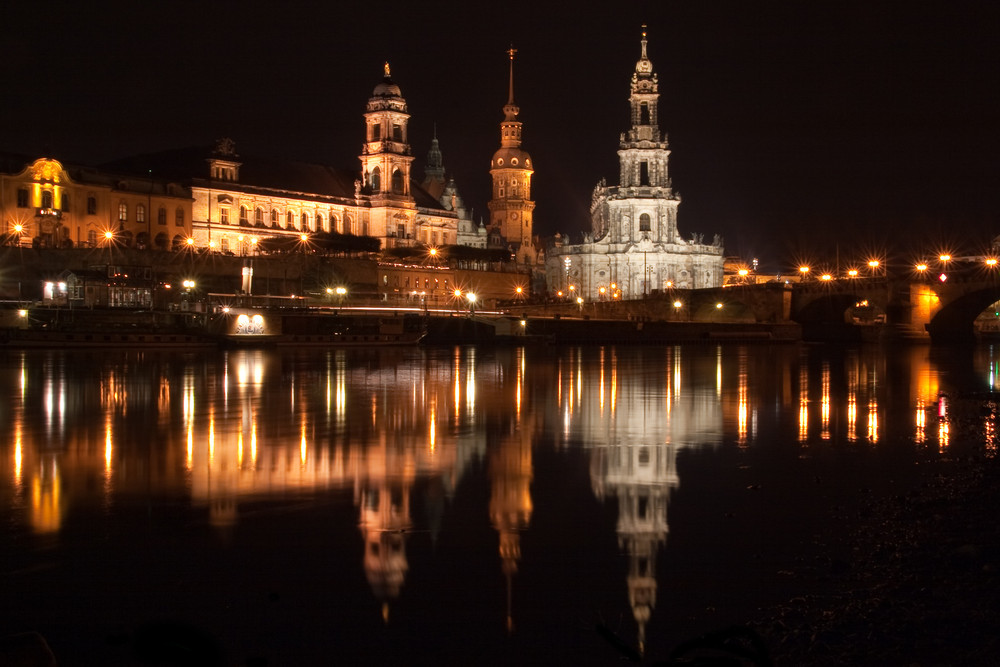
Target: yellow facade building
[(46, 204)]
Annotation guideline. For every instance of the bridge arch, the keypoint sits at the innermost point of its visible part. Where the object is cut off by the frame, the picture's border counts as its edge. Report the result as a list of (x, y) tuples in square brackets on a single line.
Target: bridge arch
[(957, 310)]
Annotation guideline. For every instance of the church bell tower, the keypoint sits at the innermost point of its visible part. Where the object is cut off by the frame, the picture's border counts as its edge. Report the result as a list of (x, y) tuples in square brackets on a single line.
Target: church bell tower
[(385, 156), (511, 207)]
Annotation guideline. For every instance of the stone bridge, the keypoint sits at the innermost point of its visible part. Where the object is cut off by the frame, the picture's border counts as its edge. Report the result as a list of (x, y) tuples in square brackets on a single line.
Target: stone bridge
[(893, 308)]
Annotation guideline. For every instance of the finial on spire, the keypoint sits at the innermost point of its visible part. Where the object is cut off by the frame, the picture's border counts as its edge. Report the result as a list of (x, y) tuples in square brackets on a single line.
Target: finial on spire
[(643, 41), (386, 66), (510, 52)]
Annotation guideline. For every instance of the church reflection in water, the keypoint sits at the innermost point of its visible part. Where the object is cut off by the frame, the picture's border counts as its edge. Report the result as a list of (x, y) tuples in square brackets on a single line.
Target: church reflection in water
[(255, 425)]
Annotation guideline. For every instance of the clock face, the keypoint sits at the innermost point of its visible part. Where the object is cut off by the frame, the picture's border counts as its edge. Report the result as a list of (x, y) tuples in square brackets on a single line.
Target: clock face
[(513, 216)]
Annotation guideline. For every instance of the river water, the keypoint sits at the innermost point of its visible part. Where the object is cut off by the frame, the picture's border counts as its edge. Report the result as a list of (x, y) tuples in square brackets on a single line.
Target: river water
[(443, 505)]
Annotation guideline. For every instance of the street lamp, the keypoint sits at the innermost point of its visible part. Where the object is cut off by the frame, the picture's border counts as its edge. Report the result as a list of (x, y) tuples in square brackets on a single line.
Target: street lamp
[(873, 265), (471, 296), (804, 272), (853, 273)]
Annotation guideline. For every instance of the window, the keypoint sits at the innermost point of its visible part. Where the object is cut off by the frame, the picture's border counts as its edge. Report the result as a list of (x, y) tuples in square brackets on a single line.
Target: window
[(290, 220), (305, 221), (22, 197), (376, 180), (122, 212), (140, 213), (644, 222), (244, 216), (46, 198), (92, 238), (258, 217), (319, 222), (65, 202), (335, 224), (397, 133), (643, 173), (223, 215), (274, 218), (397, 182), (161, 216), (224, 244), (91, 205), (179, 217), (376, 132), (401, 230), (348, 225), (644, 114)]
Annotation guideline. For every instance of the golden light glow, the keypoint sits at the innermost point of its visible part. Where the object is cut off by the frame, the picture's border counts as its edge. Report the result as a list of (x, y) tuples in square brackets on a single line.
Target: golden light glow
[(826, 276), (874, 264), (921, 267), (189, 241), (803, 269), (991, 261), (945, 257), (744, 273), (853, 273), (678, 304)]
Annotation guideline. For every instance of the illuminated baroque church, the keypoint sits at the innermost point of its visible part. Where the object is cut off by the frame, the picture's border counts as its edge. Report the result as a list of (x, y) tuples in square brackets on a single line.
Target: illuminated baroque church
[(634, 247)]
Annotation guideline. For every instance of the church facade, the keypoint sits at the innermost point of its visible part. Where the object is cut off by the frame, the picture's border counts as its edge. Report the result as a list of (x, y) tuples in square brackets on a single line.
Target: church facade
[(635, 248)]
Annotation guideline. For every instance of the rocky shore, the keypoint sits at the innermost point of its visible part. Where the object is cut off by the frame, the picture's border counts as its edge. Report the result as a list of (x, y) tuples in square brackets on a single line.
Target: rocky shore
[(917, 582)]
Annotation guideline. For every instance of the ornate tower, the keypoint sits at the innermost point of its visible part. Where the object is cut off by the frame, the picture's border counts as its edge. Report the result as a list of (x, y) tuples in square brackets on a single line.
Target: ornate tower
[(511, 169), (385, 165), (643, 157), (385, 158)]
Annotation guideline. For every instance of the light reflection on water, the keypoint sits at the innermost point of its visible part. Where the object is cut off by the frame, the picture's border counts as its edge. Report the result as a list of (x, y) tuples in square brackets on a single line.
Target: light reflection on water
[(224, 433)]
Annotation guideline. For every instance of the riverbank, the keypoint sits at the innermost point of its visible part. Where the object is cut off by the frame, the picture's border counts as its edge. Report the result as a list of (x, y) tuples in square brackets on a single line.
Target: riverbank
[(917, 582)]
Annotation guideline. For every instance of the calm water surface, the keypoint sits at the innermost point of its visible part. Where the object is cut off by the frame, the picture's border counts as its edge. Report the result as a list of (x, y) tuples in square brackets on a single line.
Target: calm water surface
[(441, 506)]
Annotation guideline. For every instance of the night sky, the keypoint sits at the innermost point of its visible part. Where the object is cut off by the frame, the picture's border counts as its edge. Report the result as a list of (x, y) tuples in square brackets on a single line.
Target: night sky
[(796, 128)]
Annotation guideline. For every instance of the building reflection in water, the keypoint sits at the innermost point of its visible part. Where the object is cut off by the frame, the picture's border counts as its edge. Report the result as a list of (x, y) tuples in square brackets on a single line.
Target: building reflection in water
[(255, 425)]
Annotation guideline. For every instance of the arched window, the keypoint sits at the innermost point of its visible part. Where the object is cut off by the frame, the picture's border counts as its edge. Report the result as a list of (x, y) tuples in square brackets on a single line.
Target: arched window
[(258, 217), (397, 182), (122, 212), (348, 225), (644, 114), (140, 213), (335, 224), (244, 216), (46, 198), (376, 180), (161, 216), (91, 205), (305, 221), (289, 220), (644, 222), (319, 223), (179, 217), (274, 217)]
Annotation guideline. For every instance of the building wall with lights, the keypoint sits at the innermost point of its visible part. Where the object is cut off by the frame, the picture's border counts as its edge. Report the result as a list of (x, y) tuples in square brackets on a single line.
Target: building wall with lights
[(634, 247), (44, 203)]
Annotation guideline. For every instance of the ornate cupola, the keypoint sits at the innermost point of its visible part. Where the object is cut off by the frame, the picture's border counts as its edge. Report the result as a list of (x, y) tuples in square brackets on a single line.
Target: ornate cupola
[(511, 206), (385, 156)]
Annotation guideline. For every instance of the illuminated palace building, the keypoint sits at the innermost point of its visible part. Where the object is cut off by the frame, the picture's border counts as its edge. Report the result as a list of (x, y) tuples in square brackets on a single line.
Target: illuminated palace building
[(48, 204), (223, 201), (635, 247)]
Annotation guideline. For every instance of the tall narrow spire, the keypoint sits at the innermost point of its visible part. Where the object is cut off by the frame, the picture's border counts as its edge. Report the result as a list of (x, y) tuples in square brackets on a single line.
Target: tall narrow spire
[(510, 52), (510, 109)]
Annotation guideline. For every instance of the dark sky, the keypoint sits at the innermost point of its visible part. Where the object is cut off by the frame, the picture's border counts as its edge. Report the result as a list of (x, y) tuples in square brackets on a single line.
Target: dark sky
[(796, 127)]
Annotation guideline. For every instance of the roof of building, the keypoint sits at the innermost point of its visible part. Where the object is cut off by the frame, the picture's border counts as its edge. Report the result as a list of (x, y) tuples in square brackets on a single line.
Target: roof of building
[(261, 174)]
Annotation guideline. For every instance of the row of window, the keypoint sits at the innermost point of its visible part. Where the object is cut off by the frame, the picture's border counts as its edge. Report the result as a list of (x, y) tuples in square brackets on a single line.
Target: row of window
[(290, 219), (24, 201), (140, 214)]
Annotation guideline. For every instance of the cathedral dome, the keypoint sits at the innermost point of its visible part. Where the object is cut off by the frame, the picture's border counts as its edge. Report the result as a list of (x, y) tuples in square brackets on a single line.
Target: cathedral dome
[(509, 157), (387, 89)]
